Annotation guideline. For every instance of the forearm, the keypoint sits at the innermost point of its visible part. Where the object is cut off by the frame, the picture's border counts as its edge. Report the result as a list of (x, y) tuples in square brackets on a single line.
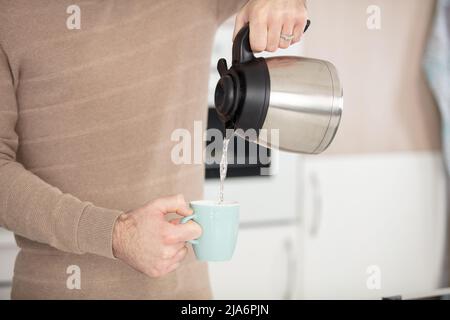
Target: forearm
[(40, 212)]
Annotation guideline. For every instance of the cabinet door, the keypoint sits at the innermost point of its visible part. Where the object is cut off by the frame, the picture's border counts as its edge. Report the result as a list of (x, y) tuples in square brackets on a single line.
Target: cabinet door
[(377, 219), (263, 266), (8, 253)]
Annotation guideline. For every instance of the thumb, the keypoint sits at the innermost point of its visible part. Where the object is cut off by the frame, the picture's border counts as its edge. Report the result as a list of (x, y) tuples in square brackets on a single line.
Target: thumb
[(173, 204)]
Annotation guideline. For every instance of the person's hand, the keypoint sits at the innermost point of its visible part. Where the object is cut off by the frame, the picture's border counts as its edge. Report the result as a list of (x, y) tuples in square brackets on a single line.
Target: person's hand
[(147, 242), (269, 19)]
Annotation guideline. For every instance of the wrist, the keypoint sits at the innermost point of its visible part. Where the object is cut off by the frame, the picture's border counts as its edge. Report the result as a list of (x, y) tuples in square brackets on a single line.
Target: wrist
[(119, 234)]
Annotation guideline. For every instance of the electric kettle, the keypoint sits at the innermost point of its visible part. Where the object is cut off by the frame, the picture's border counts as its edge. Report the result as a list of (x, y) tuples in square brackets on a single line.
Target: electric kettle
[(301, 98)]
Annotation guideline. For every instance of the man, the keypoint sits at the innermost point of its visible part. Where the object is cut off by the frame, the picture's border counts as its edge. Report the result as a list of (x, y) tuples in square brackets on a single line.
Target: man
[(86, 115)]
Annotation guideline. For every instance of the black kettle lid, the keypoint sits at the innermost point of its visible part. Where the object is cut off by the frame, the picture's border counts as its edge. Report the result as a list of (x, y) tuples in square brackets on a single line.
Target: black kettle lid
[(242, 93)]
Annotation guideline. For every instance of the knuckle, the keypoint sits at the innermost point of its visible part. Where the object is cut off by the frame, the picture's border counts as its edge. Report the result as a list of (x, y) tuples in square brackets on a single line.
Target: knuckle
[(290, 15), (259, 18), (300, 18), (258, 8), (276, 16)]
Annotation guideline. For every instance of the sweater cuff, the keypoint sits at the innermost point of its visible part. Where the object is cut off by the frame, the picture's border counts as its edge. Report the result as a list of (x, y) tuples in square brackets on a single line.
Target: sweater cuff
[(95, 230)]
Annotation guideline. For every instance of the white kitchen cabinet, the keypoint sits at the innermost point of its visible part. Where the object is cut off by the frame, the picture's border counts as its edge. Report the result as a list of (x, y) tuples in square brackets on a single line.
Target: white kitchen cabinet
[(385, 212), (263, 266), (8, 253)]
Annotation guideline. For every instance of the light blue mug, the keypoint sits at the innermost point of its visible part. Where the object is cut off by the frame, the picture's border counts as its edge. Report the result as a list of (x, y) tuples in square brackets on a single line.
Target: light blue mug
[(220, 226)]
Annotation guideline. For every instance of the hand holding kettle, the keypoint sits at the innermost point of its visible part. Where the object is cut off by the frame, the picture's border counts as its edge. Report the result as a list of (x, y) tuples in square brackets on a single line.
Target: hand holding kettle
[(300, 99), (273, 23)]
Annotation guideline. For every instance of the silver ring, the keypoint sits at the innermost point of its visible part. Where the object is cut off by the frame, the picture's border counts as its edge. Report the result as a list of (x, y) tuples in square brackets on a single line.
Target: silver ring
[(287, 37)]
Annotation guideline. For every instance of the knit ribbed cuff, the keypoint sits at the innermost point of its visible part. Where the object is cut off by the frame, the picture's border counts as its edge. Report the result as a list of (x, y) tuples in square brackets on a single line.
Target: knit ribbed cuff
[(95, 230)]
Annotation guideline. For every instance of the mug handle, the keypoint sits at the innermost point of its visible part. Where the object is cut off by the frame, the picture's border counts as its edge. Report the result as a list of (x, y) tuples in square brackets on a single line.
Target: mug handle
[(185, 220)]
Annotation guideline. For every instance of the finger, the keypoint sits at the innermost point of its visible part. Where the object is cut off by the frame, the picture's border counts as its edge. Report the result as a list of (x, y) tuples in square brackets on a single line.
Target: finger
[(287, 30), (173, 204), (273, 37), (185, 232), (177, 247), (258, 35), (170, 250), (241, 20), (298, 31)]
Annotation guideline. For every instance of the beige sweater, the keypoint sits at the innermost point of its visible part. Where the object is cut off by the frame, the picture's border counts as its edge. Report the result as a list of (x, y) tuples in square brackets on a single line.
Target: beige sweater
[(85, 123)]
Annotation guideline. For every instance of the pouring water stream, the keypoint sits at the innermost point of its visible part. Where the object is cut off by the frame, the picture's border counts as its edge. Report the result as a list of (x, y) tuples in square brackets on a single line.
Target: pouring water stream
[(224, 163)]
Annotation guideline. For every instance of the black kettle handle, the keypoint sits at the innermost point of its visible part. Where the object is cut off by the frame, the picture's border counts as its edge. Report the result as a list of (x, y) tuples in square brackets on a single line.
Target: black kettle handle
[(242, 52)]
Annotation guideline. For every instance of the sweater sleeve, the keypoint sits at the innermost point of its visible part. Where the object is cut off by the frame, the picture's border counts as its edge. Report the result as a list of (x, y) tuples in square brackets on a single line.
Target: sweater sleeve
[(226, 8), (32, 208)]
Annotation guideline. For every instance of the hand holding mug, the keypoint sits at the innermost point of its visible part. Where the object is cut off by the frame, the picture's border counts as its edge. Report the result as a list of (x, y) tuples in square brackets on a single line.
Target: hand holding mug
[(147, 242)]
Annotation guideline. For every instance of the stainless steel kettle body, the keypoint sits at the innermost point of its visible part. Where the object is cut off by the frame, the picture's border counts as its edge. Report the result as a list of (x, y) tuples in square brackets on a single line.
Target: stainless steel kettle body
[(305, 104), (293, 103)]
